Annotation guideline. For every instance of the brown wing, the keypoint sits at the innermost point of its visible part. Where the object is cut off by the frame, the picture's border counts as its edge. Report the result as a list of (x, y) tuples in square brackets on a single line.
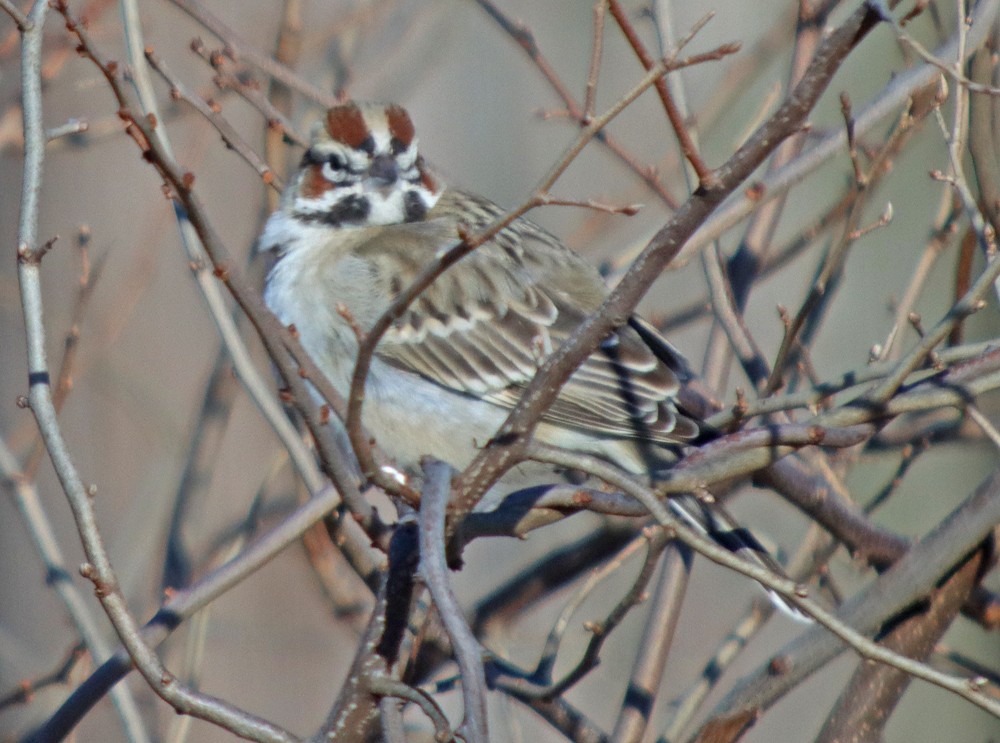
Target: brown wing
[(484, 327)]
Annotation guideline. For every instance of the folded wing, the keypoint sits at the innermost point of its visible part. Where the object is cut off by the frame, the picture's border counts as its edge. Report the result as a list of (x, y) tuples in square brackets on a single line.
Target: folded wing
[(485, 329)]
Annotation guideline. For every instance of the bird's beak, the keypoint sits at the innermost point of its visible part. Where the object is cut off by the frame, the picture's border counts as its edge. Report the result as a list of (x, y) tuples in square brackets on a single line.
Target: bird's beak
[(383, 171)]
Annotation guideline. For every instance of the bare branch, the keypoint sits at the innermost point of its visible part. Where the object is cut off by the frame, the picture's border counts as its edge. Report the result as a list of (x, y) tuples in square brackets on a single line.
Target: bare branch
[(249, 52), (229, 135), (434, 570)]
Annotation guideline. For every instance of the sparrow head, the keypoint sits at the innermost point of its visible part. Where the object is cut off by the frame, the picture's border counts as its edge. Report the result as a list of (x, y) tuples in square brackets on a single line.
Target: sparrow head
[(362, 168)]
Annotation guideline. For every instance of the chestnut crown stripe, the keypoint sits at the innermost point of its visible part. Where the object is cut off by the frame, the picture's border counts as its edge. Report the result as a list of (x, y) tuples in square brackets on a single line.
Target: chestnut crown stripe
[(400, 125), (346, 124)]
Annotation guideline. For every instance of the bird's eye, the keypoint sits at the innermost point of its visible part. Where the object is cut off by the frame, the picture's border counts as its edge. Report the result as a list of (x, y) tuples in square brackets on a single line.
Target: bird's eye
[(336, 161), (311, 157)]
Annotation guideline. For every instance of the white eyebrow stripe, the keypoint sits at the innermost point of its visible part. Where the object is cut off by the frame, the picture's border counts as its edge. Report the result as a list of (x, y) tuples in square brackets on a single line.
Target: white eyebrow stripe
[(378, 127)]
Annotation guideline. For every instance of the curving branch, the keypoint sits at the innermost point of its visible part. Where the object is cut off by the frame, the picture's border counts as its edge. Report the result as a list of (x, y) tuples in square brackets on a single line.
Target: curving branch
[(509, 443)]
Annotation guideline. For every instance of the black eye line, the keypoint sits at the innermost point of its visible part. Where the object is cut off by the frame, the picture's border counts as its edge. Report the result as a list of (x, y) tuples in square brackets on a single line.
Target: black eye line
[(311, 157), (335, 160)]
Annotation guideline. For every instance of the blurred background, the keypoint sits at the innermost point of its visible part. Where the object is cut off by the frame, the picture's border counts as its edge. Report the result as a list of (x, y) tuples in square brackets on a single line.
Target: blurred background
[(490, 123)]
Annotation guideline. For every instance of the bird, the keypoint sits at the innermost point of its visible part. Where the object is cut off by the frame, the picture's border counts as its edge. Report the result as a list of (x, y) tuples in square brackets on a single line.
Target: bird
[(362, 216)]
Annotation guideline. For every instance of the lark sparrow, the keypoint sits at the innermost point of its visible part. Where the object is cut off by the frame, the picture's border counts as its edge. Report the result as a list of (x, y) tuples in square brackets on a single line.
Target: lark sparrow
[(358, 221)]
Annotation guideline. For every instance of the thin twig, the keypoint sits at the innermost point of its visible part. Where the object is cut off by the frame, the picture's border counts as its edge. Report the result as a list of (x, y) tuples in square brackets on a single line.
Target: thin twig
[(26, 690), (58, 577), (249, 90), (894, 591), (550, 651), (98, 569), (267, 325), (287, 50), (523, 37), (949, 68), (23, 22), (71, 127), (652, 649), (597, 46), (772, 185), (184, 603), (656, 539), (910, 454), (89, 276), (982, 148), (706, 178), (742, 269), (823, 392), (985, 424), (975, 519), (513, 435), (250, 53), (229, 135), (557, 569), (467, 243), (730, 319), (387, 688)]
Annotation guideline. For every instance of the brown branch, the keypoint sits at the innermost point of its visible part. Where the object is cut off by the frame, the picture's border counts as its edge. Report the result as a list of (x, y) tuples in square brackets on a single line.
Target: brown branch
[(273, 335), (183, 604), (706, 178), (807, 319), (524, 38), (984, 609), (963, 277), (756, 248), (288, 49), (982, 147), (730, 318), (654, 645), (818, 298), (589, 97), (249, 89), (249, 52), (536, 688), (743, 268), (868, 700), (25, 690), (232, 139), (629, 210), (562, 716), (513, 435), (90, 274), (356, 708), (547, 575), (910, 454), (894, 591)]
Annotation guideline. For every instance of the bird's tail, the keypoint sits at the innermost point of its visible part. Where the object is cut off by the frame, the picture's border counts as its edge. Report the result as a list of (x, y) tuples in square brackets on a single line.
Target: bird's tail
[(713, 521)]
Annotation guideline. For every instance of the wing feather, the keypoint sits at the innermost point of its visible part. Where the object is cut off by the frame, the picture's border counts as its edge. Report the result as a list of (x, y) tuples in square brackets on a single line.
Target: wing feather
[(485, 329)]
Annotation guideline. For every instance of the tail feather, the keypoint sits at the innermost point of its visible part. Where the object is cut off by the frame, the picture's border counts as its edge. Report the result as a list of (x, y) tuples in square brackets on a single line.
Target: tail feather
[(714, 522)]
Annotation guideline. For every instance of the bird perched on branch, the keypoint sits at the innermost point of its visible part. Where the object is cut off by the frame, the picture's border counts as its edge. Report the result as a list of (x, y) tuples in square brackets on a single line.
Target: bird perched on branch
[(363, 215)]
